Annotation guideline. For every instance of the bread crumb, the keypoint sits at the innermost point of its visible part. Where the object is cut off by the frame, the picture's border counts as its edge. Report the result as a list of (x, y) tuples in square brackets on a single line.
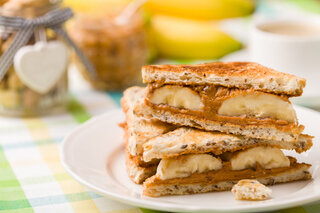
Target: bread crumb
[(249, 189)]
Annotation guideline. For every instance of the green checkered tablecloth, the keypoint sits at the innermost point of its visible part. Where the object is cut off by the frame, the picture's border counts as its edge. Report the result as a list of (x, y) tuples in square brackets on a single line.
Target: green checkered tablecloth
[(31, 176)]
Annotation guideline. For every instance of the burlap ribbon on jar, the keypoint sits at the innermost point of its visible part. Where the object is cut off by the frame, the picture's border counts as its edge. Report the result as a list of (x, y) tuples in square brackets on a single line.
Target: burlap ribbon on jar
[(25, 29)]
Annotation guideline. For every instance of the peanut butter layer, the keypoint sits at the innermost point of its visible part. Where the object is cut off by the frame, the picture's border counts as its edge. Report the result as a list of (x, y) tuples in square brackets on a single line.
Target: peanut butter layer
[(212, 98), (227, 174)]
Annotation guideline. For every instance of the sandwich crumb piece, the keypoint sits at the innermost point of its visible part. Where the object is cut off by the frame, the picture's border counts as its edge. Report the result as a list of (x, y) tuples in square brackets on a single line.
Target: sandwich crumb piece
[(249, 189)]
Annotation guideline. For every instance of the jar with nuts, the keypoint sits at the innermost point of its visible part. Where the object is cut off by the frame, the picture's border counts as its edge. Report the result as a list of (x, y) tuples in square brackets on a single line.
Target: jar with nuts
[(117, 49), (33, 58)]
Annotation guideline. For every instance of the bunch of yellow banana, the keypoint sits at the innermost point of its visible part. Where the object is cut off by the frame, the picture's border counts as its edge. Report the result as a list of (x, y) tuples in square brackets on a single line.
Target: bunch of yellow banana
[(201, 9), (191, 29), (182, 29), (190, 39)]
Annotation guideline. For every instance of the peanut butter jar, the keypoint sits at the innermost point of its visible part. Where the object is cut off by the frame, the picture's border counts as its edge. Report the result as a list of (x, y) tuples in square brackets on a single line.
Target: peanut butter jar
[(22, 94), (116, 50)]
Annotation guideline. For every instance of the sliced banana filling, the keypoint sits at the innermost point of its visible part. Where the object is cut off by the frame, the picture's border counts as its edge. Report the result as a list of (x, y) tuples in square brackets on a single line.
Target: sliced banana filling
[(266, 157), (177, 96), (260, 105), (257, 104), (185, 165)]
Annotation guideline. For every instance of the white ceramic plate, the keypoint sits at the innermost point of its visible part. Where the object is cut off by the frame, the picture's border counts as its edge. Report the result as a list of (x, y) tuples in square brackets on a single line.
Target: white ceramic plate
[(93, 155)]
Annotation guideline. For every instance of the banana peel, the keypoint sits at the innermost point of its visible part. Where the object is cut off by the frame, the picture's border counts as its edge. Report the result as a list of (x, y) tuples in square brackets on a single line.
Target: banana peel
[(190, 39), (201, 9)]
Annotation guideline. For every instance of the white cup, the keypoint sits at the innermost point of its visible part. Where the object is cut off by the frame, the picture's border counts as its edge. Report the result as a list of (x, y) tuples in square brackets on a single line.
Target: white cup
[(290, 46)]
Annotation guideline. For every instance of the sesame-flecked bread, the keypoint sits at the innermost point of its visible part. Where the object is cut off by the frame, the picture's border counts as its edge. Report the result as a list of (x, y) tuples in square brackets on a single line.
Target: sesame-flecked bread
[(229, 74), (250, 189), (207, 182), (185, 140), (139, 129)]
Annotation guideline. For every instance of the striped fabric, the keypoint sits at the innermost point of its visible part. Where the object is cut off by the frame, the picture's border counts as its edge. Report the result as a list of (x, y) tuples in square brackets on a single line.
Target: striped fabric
[(31, 176)]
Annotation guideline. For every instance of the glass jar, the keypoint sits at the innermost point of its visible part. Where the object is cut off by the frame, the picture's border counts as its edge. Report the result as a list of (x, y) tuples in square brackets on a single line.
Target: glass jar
[(16, 98), (117, 51)]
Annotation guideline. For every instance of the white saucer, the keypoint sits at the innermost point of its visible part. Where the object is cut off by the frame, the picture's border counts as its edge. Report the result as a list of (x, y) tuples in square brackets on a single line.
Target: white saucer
[(93, 155)]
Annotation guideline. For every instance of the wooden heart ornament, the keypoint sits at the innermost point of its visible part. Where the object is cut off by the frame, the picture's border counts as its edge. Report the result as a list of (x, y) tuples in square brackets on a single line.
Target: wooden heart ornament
[(40, 66)]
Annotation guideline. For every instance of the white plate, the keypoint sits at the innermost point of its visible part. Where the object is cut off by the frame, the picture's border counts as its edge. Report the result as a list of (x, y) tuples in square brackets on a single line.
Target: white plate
[(93, 155)]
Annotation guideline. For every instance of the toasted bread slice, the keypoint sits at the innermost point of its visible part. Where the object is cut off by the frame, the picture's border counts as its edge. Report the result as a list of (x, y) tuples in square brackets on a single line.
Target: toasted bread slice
[(187, 140), (140, 129), (224, 179), (229, 74)]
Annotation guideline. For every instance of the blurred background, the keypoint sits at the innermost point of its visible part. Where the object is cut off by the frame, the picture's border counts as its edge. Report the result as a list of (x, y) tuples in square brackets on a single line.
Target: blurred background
[(155, 31), (119, 36)]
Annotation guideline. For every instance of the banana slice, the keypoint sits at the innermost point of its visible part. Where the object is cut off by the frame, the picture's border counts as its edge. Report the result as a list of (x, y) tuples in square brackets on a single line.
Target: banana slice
[(177, 96), (260, 105), (185, 165), (266, 157)]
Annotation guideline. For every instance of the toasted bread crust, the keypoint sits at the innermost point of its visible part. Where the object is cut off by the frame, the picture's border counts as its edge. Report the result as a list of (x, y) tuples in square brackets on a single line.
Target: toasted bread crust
[(229, 74), (186, 140), (217, 181)]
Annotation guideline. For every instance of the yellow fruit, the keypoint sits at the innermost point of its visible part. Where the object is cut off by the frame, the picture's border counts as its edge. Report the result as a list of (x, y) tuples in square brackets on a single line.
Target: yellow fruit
[(189, 39), (202, 9)]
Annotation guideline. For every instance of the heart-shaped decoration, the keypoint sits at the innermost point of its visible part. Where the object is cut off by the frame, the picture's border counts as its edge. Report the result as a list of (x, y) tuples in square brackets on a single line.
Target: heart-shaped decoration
[(40, 66)]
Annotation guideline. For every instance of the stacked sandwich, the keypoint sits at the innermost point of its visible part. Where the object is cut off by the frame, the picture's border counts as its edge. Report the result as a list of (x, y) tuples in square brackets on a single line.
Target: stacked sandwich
[(202, 128)]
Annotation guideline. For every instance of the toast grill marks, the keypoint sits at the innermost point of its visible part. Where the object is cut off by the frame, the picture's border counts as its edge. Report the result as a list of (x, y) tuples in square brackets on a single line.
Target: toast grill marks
[(191, 141), (224, 179), (232, 74)]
